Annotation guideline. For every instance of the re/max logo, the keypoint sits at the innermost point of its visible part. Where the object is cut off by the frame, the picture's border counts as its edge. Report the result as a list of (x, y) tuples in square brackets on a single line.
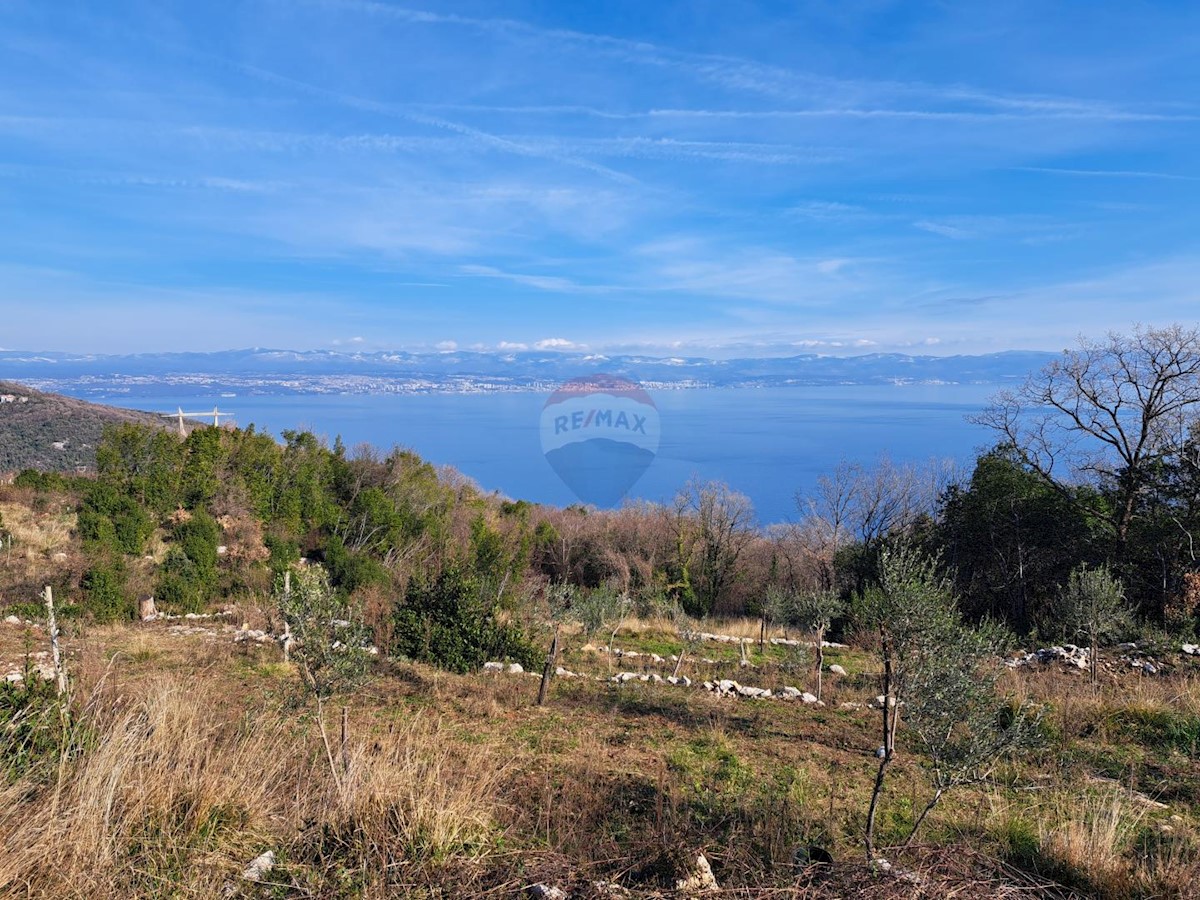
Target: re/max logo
[(597, 418)]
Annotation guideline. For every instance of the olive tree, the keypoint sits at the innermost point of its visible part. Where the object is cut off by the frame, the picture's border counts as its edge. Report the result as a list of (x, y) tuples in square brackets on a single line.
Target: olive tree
[(814, 612), (954, 711), (938, 674), (327, 634), (1092, 608), (328, 639)]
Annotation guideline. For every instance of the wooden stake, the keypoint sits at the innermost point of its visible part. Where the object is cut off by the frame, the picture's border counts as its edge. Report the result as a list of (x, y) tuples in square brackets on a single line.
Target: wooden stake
[(287, 628), (551, 662), (60, 675), (679, 661)]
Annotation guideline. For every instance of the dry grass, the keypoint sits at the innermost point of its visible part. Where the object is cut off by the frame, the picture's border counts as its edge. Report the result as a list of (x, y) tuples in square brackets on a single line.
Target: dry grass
[(36, 536), (159, 794), (194, 757), (1088, 836), (167, 796)]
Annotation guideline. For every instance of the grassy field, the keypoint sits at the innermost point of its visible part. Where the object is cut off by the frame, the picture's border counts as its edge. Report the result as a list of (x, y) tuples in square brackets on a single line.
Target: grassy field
[(185, 755)]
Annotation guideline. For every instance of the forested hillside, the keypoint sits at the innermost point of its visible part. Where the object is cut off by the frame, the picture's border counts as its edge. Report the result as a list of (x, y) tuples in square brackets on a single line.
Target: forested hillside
[(56, 433)]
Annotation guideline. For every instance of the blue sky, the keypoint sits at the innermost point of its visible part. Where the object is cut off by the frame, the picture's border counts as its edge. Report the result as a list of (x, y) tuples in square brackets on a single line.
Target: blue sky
[(715, 178)]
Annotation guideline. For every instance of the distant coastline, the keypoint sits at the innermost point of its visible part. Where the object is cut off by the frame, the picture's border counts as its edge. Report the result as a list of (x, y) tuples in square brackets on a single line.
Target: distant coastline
[(259, 372)]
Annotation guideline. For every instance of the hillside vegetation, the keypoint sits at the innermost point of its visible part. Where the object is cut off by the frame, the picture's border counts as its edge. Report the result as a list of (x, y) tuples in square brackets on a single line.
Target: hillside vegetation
[(351, 650), (56, 433)]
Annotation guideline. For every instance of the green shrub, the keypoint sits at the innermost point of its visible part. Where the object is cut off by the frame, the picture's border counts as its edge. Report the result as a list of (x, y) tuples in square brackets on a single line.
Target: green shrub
[(1160, 728), (40, 481), (448, 623), (32, 725), (111, 520), (188, 576), (103, 588)]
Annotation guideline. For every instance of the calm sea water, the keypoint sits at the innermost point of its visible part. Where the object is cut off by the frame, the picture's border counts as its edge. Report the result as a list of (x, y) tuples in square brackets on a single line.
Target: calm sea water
[(767, 443)]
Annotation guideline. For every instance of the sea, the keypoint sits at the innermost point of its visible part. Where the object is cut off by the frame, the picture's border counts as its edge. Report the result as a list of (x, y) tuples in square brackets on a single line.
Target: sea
[(767, 443)]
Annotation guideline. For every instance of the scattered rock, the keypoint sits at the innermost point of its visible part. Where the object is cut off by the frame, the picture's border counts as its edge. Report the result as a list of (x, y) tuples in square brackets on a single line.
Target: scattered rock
[(903, 874), (260, 867), (515, 669), (11, 620), (608, 889), (546, 892), (1068, 654), (837, 670), (809, 698), (493, 667), (701, 880), (252, 635), (1189, 649)]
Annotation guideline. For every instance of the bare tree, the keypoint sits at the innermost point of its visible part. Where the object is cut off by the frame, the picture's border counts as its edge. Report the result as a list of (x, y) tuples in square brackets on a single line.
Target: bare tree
[(1106, 413), (718, 523), (855, 503)]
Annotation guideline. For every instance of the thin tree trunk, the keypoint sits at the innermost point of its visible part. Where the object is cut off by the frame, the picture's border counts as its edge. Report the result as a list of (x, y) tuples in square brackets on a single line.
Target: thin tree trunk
[(921, 818), (889, 732), (876, 790), (762, 634), (286, 644)]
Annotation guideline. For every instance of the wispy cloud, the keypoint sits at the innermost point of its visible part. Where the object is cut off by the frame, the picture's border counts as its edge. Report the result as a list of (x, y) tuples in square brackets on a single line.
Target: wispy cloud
[(550, 174), (946, 230), (1108, 173), (552, 283), (751, 76)]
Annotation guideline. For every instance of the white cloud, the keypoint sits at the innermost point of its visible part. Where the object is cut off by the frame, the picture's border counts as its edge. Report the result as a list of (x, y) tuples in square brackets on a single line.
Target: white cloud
[(954, 232), (557, 344), (511, 345), (832, 266), (552, 283)]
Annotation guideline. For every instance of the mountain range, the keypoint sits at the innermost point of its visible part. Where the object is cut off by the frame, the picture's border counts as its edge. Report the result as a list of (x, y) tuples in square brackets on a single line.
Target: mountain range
[(330, 371)]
